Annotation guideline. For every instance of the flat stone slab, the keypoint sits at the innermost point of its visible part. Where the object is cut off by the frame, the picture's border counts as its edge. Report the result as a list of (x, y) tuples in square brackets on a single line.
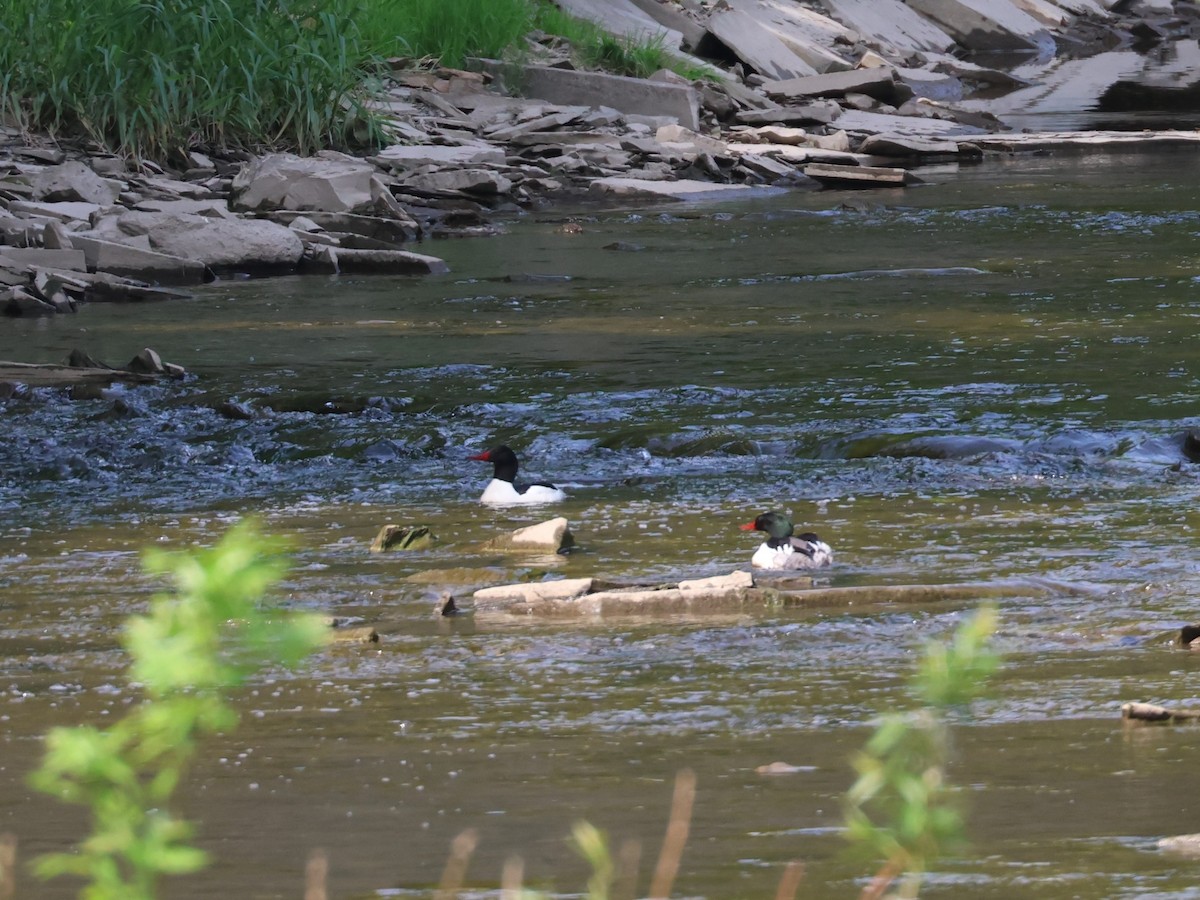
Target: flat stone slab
[(413, 155), (1082, 140), (631, 96), (859, 176), (25, 257), (860, 122), (680, 190), (756, 45), (891, 22), (739, 591), (61, 376)]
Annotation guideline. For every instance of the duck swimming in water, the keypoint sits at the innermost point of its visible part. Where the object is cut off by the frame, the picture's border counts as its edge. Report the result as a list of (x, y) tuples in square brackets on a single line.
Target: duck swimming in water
[(784, 550), (504, 489)]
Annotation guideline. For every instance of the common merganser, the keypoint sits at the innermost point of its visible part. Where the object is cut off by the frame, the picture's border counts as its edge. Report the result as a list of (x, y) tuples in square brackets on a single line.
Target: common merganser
[(782, 549), (504, 489)]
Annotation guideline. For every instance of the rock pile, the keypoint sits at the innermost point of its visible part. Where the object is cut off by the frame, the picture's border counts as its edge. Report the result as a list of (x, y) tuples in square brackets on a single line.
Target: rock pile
[(844, 93)]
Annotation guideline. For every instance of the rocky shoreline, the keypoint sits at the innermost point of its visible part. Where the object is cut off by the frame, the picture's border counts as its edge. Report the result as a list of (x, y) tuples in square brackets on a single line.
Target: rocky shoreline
[(844, 94)]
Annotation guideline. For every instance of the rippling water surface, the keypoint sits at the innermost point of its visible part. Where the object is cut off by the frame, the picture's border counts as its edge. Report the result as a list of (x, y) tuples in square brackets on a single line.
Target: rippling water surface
[(991, 376)]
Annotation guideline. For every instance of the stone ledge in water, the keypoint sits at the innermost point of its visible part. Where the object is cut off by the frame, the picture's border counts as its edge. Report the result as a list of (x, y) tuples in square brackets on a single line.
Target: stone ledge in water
[(740, 590), (551, 536), (402, 537), (1185, 844), (684, 189)]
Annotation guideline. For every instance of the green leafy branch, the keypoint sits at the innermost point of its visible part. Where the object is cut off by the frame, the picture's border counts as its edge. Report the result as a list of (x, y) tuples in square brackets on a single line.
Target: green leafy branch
[(206, 638), (902, 809)]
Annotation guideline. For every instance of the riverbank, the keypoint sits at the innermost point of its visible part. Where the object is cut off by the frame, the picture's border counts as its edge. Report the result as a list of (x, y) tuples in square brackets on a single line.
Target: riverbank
[(806, 101)]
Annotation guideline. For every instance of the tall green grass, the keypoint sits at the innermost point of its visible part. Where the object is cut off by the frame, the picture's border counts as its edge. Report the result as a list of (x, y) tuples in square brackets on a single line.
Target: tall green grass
[(149, 77)]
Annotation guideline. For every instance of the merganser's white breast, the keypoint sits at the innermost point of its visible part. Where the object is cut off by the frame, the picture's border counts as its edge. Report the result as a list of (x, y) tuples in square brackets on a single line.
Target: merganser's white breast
[(506, 493), (505, 490), (784, 549), (795, 554)]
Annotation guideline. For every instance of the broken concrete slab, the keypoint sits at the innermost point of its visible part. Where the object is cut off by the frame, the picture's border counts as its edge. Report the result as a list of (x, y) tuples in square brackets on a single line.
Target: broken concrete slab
[(983, 26), (638, 96), (410, 156), (891, 24), (859, 176), (898, 145), (472, 181), (679, 190), (756, 45), (29, 257), (624, 18), (819, 112), (858, 122), (807, 33), (879, 82), (64, 211)]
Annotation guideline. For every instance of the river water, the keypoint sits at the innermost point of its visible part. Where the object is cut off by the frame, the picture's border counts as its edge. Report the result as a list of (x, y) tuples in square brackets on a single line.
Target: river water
[(989, 376)]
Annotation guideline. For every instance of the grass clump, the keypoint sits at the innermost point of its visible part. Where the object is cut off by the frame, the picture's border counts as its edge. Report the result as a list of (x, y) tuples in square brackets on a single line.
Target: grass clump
[(152, 77), (190, 648), (452, 31)]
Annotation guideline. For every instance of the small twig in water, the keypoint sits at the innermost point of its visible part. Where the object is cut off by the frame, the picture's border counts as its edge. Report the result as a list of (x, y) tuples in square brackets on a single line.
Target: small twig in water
[(456, 866), (676, 837)]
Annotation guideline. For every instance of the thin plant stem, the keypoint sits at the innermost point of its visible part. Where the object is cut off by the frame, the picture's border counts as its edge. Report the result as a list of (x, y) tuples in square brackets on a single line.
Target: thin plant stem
[(316, 876), (511, 878), (456, 866), (789, 883), (629, 858), (676, 837)]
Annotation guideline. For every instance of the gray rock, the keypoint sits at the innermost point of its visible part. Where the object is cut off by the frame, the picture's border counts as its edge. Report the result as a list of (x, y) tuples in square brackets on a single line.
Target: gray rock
[(756, 45), (332, 183), (890, 23), (631, 96), (878, 82), (678, 190), (27, 257), (216, 242), (411, 156), (401, 537), (126, 259), (65, 211), (896, 145), (473, 181), (74, 182), (987, 25), (551, 536), (624, 18), (395, 262)]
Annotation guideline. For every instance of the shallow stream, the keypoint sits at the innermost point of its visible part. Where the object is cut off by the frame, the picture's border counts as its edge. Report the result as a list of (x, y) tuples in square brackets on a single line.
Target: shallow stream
[(989, 376)]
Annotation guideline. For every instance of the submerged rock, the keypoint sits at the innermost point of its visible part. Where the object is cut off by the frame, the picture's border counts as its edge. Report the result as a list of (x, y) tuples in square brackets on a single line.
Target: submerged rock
[(403, 537), (552, 536)]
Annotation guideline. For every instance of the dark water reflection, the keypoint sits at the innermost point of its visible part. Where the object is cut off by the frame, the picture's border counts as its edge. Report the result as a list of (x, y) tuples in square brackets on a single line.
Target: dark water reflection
[(988, 377)]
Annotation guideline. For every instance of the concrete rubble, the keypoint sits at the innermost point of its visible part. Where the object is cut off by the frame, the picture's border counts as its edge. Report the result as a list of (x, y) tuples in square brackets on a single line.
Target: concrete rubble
[(803, 95)]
